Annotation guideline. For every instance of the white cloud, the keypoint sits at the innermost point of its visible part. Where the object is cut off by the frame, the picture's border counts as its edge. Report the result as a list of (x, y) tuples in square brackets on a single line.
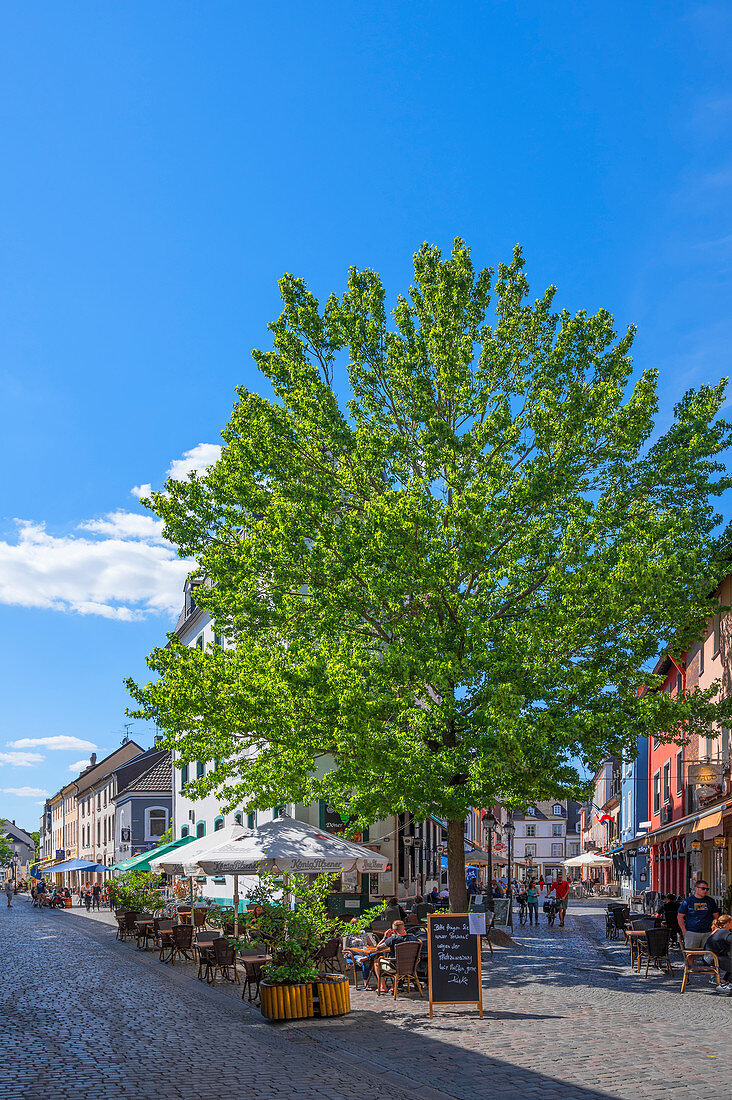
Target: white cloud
[(126, 525), (141, 490), (21, 759), (26, 792), (79, 765), (199, 458), (59, 741), (116, 577), (117, 566)]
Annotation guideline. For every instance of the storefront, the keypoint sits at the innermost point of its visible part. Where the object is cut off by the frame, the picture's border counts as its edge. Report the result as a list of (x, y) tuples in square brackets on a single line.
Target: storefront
[(698, 846)]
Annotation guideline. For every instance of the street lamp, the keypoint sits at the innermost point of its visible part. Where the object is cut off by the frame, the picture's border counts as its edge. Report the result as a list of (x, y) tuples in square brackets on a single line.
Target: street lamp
[(489, 822), (510, 830)]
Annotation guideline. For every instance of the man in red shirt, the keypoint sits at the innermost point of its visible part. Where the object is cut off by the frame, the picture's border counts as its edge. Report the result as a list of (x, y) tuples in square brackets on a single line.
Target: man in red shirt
[(561, 889)]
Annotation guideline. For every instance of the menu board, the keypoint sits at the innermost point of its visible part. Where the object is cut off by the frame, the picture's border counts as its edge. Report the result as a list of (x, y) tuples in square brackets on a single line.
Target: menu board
[(453, 966)]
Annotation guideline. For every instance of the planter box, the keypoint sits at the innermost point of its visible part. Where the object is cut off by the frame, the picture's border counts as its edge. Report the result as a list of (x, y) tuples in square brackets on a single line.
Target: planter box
[(334, 995), (286, 1002), (298, 1002)]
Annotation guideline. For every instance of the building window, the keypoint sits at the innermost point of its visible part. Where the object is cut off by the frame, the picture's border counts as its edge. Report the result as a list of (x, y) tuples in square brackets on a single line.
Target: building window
[(557, 809), (183, 831), (679, 771), (530, 849), (701, 656), (656, 792), (200, 768), (183, 776), (201, 828), (218, 824), (531, 830), (251, 821), (574, 849), (556, 830), (530, 811), (556, 850), (679, 683), (199, 641), (716, 628), (667, 781), (238, 818), (156, 822)]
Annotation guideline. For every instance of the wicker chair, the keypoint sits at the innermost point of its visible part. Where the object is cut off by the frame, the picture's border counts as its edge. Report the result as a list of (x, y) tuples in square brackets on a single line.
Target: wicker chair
[(182, 942), (202, 947), (199, 916), (120, 916), (654, 947), (617, 917), (126, 924), (694, 964), (329, 956), (403, 966), (220, 958)]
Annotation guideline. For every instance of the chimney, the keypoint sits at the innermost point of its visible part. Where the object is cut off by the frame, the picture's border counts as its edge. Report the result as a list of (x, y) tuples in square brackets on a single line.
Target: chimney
[(92, 759)]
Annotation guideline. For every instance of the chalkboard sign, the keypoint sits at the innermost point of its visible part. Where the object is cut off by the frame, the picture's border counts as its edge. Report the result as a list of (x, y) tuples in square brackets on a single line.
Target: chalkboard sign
[(500, 908), (453, 961)]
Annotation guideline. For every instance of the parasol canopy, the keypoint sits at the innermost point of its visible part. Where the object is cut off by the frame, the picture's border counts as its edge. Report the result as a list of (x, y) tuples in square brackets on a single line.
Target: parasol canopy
[(588, 859), (289, 846), (184, 861)]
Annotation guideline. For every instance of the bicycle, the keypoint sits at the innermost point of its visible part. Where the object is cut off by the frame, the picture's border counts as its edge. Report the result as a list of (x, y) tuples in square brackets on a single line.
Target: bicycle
[(523, 909)]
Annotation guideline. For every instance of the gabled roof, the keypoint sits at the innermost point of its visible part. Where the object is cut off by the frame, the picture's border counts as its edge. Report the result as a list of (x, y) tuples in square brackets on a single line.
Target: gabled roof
[(105, 767), (157, 778), (16, 833)]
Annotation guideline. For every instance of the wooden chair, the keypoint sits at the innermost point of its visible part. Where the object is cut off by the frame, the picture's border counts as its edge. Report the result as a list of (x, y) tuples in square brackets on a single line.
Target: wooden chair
[(694, 964), (404, 966), (220, 958)]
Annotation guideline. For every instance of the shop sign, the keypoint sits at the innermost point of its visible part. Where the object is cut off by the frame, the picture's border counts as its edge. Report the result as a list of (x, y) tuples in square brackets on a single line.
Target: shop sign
[(705, 775)]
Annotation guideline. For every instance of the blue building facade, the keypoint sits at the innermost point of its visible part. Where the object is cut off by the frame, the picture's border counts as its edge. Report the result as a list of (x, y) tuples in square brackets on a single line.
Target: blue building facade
[(634, 875)]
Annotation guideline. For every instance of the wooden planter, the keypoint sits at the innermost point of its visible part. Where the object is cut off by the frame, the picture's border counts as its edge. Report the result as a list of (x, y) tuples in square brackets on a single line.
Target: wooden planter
[(286, 1002), (334, 996)]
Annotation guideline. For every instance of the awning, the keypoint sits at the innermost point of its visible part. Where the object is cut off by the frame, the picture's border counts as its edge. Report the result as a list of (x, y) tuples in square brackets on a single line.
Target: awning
[(71, 865), (711, 821), (141, 862)]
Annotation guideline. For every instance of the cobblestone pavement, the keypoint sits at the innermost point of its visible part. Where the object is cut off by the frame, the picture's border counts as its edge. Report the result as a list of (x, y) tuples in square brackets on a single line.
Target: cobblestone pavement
[(564, 1016)]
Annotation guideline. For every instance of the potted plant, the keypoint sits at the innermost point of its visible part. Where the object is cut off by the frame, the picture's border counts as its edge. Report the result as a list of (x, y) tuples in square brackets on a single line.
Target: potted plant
[(294, 922), (137, 892)]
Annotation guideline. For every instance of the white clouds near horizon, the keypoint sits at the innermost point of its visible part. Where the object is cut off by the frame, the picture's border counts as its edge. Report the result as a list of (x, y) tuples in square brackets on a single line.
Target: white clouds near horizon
[(117, 566), (26, 792), (60, 741), (79, 766), (21, 759)]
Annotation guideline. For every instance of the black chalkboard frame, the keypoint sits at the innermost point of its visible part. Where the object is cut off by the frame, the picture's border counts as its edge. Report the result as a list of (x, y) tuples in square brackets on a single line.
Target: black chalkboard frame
[(445, 918)]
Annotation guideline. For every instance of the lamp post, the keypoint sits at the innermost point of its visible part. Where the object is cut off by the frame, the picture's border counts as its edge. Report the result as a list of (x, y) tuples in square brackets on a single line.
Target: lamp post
[(488, 822), (510, 830)]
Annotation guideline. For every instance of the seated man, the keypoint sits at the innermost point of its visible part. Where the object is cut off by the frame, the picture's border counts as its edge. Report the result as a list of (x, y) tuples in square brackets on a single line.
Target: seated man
[(387, 965)]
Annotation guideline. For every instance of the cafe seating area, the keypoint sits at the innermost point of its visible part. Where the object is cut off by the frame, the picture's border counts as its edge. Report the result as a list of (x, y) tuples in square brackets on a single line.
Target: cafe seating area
[(650, 941)]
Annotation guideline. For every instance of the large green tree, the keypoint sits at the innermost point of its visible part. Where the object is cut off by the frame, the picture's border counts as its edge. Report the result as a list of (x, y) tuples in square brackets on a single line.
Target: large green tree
[(442, 556)]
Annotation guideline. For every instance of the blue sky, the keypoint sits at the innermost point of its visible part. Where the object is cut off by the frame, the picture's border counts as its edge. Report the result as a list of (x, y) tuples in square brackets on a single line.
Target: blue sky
[(161, 165)]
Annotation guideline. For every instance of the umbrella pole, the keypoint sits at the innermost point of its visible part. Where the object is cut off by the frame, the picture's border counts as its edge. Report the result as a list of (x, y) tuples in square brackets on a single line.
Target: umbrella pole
[(236, 906)]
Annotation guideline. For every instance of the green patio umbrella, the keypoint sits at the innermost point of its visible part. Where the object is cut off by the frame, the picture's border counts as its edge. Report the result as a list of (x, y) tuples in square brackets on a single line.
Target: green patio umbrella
[(142, 862)]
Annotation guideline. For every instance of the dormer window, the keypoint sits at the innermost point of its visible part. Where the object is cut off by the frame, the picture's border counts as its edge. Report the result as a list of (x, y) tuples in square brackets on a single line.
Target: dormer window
[(530, 811), (557, 810)]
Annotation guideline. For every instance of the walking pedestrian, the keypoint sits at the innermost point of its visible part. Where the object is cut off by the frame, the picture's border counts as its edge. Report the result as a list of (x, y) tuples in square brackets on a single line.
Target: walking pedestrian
[(9, 892), (87, 897), (96, 895), (532, 902), (696, 915), (561, 891)]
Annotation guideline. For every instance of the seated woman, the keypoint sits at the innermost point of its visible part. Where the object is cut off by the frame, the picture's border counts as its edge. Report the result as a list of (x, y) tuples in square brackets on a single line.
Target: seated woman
[(355, 940), (387, 964), (720, 942)]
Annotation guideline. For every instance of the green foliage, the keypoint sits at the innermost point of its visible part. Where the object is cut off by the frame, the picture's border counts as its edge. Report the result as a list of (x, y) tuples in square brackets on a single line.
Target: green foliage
[(6, 847), (166, 838), (294, 935), (138, 891), (453, 586)]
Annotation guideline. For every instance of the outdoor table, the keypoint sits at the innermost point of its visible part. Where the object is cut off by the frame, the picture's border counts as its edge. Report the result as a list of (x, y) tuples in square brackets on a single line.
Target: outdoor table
[(367, 952), (141, 930), (632, 935)]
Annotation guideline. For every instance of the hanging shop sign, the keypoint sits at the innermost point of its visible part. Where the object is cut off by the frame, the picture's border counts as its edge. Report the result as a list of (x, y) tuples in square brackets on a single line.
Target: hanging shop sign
[(704, 775)]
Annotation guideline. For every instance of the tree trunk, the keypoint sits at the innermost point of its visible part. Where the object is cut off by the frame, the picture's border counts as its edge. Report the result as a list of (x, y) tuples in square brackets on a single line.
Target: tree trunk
[(456, 866)]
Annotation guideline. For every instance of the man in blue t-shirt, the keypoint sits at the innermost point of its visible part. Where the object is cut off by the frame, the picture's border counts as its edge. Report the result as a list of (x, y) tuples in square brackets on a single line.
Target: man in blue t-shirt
[(696, 914)]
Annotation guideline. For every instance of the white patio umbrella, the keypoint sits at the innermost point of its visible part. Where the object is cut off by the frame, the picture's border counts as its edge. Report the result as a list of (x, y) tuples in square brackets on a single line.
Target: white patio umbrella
[(289, 846), (178, 863), (588, 859)]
